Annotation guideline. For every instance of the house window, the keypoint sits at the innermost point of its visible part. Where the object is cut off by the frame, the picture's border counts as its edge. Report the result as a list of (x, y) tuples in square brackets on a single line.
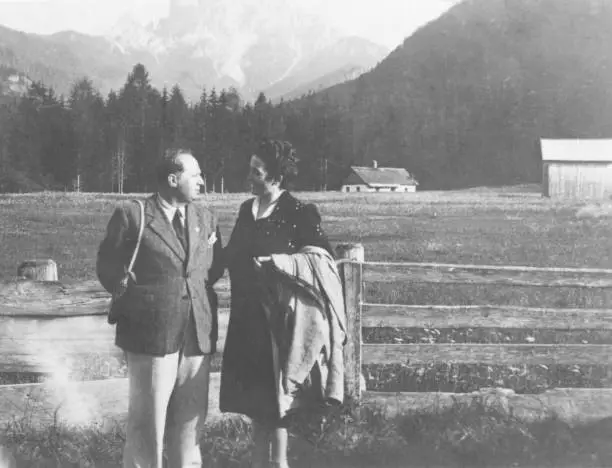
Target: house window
[(359, 189)]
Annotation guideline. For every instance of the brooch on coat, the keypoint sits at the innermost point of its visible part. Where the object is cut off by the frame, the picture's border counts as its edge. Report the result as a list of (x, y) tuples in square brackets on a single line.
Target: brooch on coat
[(212, 239)]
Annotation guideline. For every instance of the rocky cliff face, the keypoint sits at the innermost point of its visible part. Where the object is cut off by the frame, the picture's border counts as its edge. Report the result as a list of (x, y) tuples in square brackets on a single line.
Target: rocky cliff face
[(12, 82), (251, 46)]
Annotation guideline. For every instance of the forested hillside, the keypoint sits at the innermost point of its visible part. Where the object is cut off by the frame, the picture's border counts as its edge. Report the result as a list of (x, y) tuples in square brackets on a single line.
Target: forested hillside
[(466, 98), (462, 102)]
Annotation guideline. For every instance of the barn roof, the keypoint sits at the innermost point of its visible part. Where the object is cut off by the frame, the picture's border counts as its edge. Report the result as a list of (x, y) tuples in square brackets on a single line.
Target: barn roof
[(589, 150), (383, 176)]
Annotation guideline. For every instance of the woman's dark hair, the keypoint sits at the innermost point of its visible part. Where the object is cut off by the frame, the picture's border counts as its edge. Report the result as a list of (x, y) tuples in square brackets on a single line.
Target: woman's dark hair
[(279, 159)]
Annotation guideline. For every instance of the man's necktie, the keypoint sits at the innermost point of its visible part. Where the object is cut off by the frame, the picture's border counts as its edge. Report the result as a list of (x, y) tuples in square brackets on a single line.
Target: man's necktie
[(179, 229)]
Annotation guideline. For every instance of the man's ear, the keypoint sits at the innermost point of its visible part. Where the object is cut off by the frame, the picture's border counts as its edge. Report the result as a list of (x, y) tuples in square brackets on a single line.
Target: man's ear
[(172, 180)]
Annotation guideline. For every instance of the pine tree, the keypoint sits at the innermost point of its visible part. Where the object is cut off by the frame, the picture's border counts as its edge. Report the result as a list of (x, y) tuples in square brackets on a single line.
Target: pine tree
[(135, 104), (178, 118), (87, 116)]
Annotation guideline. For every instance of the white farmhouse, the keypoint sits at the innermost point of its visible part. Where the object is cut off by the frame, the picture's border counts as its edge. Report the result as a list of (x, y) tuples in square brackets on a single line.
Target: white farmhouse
[(379, 179)]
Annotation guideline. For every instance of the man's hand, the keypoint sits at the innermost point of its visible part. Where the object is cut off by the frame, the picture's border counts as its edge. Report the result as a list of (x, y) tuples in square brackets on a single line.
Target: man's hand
[(121, 288)]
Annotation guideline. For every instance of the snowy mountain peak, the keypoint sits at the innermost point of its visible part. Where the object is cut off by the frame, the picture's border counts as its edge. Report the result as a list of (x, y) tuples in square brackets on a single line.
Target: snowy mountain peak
[(248, 44)]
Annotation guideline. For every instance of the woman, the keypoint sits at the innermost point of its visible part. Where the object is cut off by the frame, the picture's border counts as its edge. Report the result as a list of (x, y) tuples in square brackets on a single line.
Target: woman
[(273, 222)]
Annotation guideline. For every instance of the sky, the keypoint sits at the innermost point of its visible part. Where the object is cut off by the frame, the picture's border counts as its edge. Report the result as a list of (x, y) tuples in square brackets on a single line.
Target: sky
[(386, 22)]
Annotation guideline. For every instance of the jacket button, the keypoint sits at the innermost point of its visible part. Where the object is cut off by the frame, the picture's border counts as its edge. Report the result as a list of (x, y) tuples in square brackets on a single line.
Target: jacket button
[(185, 297), (187, 275)]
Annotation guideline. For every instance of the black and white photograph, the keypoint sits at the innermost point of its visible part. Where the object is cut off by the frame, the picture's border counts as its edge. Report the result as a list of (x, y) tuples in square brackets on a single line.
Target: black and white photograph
[(305, 233)]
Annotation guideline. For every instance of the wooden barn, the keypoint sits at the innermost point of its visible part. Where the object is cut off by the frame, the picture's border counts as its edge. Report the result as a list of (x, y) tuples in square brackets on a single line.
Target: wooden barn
[(577, 169), (379, 179)]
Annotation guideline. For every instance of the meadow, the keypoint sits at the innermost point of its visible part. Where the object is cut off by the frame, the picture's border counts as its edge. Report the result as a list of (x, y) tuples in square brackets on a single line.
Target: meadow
[(501, 226)]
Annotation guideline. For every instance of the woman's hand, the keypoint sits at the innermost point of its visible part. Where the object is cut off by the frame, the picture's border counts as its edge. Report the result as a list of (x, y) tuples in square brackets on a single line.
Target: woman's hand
[(259, 261)]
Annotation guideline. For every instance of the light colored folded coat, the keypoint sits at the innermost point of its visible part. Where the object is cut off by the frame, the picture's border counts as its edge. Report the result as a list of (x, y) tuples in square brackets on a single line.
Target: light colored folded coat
[(304, 304)]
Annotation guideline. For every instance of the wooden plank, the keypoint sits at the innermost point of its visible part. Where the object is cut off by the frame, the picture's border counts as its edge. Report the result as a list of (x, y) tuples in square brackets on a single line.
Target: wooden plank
[(26, 298), (79, 403), (105, 401), (494, 268), (351, 274), (66, 345), (382, 272), (572, 405), (36, 298), (466, 316), (490, 354)]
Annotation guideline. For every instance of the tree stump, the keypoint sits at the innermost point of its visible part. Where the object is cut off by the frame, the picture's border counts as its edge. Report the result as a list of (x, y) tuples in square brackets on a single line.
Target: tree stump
[(38, 270)]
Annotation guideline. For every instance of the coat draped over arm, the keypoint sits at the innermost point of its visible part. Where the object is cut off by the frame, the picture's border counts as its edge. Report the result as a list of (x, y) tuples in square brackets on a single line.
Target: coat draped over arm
[(304, 304)]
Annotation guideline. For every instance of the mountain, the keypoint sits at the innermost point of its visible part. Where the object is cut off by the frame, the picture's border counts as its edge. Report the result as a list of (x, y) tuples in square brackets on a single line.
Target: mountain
[(12, 82), (341, 61), (252, 46), (465, 99), (58, 60), (347, 73)]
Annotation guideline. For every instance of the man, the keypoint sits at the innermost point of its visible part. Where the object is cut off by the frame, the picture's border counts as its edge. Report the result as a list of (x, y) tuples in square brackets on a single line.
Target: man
[(167, 318)]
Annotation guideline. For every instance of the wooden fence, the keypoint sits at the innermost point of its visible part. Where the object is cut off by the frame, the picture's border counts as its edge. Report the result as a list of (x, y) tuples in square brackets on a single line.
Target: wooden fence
[(60, 329), (571, 404)]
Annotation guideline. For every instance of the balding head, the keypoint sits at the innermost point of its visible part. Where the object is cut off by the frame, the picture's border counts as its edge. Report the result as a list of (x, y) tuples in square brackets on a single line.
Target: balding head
[(179, 175)]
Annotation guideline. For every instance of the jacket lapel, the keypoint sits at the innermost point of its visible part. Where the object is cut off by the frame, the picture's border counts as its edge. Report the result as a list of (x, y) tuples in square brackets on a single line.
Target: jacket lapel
[(194, 230), (156, 220)]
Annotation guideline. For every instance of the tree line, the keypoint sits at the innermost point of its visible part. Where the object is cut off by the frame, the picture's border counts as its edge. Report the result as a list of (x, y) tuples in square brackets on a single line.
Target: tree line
[(88, 142)]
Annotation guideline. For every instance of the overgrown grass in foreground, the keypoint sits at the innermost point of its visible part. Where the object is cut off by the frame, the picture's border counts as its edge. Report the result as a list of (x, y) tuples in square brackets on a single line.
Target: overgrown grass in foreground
[(467, 435)]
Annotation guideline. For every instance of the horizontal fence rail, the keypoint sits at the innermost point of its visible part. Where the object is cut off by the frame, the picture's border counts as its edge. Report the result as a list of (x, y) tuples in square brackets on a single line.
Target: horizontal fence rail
[(484, 316), (483, 268), (489, 354), (55, 327), (81, 345), (440, 273)]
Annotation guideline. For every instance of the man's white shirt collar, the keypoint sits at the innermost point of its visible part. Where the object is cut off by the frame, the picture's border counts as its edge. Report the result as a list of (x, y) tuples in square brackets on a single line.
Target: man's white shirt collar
[(170, 210)]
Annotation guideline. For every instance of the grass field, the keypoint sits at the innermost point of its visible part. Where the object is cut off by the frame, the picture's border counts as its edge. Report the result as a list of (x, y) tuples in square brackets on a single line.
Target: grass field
[(510, 226)]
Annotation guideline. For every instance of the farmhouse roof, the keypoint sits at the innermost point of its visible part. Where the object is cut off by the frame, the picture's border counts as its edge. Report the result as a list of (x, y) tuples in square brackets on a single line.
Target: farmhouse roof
[(384, 176), (588, 150)]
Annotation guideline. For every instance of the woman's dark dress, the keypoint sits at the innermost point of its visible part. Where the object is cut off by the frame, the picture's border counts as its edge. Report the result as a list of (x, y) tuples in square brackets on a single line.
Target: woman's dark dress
[(247, 375)]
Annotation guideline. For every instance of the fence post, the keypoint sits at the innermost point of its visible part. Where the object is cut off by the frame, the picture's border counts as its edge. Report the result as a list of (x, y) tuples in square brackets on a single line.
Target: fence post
[(351, 275)]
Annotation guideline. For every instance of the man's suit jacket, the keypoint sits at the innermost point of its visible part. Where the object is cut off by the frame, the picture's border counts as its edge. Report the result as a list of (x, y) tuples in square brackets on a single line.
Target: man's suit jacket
[(154, 312)]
